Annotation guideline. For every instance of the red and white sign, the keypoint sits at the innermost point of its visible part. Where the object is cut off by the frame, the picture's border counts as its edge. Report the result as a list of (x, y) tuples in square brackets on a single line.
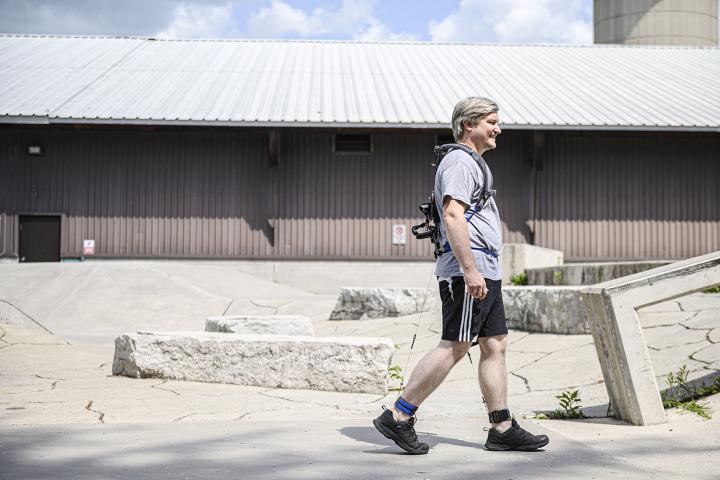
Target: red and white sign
[(399, 235), (88, 247)]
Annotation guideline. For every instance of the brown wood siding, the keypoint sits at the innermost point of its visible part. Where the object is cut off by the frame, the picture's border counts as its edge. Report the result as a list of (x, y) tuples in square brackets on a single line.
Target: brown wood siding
[(211, 193), (622, 196), (143, 194)]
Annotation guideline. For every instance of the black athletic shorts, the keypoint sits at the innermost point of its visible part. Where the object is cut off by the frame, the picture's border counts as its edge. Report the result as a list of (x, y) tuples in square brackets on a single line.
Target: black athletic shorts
[(465, 317)]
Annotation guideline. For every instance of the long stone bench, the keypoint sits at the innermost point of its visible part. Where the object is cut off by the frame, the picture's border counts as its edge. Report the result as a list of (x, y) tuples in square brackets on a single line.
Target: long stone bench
[(356, 303), (261, 324), (343, 364), (612, 310), (546, 309)]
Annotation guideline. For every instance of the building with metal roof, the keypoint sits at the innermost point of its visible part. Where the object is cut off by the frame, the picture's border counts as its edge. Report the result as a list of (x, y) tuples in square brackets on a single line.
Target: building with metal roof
[(148, 148), (350, 84)]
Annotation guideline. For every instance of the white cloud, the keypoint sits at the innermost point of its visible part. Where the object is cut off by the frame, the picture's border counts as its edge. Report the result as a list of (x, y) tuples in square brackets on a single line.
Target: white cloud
[(353, 19), (516, 21), (192, 20), (377, 31)]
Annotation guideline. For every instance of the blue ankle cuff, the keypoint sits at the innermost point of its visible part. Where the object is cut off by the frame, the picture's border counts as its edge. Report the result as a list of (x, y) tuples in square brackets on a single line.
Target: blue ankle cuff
[(406, 407)]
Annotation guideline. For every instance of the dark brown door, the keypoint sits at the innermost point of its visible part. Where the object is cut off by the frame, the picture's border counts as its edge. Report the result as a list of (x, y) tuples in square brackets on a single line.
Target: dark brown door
[(39, 238)]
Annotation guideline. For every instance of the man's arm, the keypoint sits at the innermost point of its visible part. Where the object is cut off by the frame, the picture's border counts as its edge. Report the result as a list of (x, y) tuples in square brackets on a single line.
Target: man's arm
[(459, 238)]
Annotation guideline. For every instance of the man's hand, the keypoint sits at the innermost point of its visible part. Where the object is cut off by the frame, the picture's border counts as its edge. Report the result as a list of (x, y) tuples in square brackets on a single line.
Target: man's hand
[(475, 284)]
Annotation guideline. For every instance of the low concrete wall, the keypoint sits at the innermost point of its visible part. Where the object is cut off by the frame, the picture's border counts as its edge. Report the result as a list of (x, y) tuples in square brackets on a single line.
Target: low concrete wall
[(261, 325), (519, 257), (546, 309), (343, 364), (587, 273), (326, 277)]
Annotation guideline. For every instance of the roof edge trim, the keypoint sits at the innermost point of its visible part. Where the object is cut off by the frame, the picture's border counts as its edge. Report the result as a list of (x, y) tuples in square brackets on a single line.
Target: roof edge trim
[(419, 126)]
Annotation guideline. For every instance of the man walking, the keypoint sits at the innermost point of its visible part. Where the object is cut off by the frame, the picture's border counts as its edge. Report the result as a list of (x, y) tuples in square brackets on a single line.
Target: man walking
[(469, 278)]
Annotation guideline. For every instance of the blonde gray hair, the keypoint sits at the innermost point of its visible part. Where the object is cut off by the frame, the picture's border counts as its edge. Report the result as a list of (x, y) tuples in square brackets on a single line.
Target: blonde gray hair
[(471, 110)]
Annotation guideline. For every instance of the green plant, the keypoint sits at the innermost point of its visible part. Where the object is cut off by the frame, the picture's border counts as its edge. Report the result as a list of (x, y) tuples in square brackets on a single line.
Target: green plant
[(677, 384), (569, 406), (395, 372), (712, 290), (558, 277), (519, 279), (711, 389)]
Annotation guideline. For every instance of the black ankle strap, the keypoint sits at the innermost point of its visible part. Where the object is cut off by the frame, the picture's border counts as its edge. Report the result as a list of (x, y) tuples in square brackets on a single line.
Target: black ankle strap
[(498, 416)]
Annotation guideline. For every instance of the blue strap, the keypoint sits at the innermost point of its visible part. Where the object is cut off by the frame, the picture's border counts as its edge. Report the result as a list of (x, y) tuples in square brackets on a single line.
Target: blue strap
[(406, 407), (486, 251)]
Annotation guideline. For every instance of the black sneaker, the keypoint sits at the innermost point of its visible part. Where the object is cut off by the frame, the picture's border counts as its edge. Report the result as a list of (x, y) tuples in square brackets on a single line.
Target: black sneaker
[(515, 438), (402, 433)]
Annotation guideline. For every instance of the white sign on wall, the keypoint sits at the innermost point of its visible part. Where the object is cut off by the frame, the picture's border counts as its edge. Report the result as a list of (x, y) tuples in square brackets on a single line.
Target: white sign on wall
[(88, 247), (399, 234)]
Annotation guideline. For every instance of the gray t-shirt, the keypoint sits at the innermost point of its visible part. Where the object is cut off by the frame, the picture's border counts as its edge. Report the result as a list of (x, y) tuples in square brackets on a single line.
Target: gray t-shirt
[(460, 177)]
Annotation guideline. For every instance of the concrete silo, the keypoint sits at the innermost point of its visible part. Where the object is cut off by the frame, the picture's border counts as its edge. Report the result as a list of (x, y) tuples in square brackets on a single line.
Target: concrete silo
[(657, 22)]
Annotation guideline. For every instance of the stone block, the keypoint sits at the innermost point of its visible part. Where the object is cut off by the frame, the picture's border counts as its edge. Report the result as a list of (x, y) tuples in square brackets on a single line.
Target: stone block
[(343, 364), (355, 303), (519, 257), (545, 309), (261, 324)]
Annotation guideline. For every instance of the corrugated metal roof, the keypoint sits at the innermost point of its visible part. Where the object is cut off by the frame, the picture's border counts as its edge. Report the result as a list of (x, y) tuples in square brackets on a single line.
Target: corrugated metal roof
[(321, 83)]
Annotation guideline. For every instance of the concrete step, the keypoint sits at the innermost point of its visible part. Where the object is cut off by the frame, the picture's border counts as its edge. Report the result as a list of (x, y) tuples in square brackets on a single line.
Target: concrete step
[(587, 273)]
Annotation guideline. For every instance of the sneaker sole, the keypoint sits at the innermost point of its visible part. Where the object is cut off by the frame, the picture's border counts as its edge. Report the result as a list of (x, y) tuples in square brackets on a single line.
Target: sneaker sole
[(522, 448), (389, 434)]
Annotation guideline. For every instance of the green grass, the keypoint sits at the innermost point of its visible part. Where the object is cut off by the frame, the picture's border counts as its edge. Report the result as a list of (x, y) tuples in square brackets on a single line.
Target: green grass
[(678, 389), (519, 279)]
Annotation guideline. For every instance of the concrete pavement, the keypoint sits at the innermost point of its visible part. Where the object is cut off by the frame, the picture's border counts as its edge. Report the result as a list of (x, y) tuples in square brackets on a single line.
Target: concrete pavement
[(63, 415)]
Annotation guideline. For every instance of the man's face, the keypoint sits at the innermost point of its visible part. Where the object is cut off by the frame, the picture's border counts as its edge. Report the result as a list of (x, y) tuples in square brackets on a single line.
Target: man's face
[(484, 134)]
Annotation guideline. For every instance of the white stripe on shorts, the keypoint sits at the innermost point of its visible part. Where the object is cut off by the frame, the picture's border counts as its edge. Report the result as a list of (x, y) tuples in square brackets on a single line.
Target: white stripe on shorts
[(466, 318)]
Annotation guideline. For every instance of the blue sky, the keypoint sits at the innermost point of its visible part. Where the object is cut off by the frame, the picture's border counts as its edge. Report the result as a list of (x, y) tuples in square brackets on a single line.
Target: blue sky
[(493, 21)]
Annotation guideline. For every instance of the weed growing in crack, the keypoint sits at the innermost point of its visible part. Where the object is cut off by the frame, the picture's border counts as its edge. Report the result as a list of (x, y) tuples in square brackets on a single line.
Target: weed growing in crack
[(677, 384), (569, 406), (519, 279)]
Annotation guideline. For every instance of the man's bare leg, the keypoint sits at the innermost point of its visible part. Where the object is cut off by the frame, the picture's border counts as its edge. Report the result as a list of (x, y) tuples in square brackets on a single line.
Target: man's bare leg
[(493, 375), (430, 372)]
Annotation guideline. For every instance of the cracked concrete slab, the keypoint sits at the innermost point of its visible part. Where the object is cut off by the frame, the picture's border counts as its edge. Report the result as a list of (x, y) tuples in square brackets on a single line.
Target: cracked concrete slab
[(662, 319), (699, 301), (673, 335), (709, 354), (46, 381), (549, 342), (709, 319), (564, 369), (714, 335)]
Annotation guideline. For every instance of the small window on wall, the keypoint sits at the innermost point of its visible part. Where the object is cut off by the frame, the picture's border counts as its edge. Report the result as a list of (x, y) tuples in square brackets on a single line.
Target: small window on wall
[(443, 139), (352, 143)]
